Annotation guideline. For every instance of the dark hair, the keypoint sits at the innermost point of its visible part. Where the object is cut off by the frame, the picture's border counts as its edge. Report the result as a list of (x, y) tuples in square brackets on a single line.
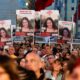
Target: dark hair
[(21, 22), (73, 63), (4, 31), (58, 60), (9, 66), (25, 74), (67, 31), (53, 24)]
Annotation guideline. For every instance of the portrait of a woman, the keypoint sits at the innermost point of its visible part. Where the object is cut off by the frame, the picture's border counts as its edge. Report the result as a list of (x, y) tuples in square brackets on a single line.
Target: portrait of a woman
[(50, 25), (25, 25), (8, 68), (3, 35), (66, 34)]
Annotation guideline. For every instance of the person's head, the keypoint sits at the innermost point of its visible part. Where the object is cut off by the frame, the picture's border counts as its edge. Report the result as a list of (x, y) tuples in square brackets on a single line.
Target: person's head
[(66, 33), (57, 65), (33, 62), (25, 22), (74, 69), (49, 23), (65, 64), (3, 32), (22, 62), (11, 50), (68, 56), (21, 52), (75, 53), (57, 56), (43, 63), (50, 58), (8, 69)]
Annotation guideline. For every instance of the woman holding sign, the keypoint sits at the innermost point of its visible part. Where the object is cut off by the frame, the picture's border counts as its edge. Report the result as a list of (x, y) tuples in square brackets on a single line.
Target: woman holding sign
[(25, 25), (50, 25)]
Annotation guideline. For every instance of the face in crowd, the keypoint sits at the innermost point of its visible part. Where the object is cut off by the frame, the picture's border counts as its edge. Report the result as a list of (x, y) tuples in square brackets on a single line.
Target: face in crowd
[(33, 62), (57, 65)]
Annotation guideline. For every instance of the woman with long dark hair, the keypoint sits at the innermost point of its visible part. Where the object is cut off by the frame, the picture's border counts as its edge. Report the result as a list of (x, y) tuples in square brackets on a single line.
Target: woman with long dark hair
[(8, 68), (3, 35), (74, 68), (66, 34), (50, 25), (25, 25)]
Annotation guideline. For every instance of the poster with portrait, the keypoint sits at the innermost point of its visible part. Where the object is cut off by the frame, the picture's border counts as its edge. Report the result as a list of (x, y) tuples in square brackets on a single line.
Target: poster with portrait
[(66, 30), (25, 20), (49, 21), (5, 30)]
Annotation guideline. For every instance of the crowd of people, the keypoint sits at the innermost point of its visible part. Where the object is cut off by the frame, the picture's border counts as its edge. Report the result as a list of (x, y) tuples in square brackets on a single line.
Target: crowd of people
[(39, 62)]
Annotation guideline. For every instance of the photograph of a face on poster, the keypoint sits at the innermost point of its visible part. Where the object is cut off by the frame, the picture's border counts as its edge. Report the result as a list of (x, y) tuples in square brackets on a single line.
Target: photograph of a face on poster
[(49, 20), (5, 30), (66, 30), (25, 20)]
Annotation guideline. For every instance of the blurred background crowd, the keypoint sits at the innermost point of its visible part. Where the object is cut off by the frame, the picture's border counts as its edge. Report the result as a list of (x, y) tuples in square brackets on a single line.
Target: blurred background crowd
[(39, 62)]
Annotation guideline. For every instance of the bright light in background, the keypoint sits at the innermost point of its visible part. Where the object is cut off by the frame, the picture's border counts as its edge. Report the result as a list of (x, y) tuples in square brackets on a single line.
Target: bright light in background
[(27, 4)]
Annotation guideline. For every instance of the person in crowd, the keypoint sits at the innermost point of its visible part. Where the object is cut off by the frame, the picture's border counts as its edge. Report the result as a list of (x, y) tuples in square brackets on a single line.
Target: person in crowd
[(54, 50), (50, 59), (33, 62), (50, 25), (68, 56), (3, 35), (75, 53), (11, 52), (21, 52), (65, 74), (56, 70), (16, 46), (25, 25), (43, 51), (48, 49), (25, 74), (66, 34), (22, 62), (74, 69), (8, 68)]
